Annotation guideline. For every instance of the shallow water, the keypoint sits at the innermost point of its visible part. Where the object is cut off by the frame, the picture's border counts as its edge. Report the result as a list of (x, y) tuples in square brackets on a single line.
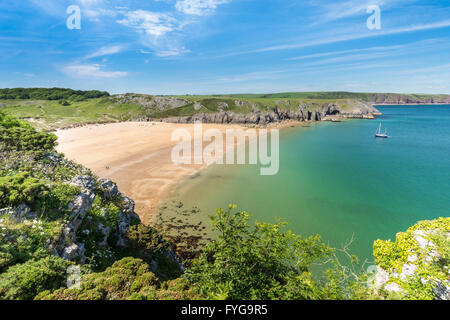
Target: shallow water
[(337, 180)]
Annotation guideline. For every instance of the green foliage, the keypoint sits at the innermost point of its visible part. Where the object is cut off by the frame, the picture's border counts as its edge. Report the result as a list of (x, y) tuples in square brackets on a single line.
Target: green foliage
[(21, 240), (20, 136), (54, 204), (20, 188), (25, 281), (126, 279), (145, 238), (50, 94), (146, 242), (263, 262), (6, 260), (430, 267)]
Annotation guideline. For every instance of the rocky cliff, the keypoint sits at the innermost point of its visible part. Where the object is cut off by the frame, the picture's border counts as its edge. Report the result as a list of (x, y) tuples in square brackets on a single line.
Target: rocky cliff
[(416, 264), (394, 98), (301, 112)]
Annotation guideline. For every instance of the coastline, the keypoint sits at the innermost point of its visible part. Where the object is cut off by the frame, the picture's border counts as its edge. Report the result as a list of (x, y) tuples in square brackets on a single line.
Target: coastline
[(137, 156)]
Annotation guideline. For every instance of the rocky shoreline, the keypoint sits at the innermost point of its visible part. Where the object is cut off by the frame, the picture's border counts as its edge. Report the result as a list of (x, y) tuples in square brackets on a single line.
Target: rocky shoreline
[(302, 113)]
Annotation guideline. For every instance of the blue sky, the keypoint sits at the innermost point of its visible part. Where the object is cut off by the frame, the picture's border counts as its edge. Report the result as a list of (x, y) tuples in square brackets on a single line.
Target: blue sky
[(226, 46)]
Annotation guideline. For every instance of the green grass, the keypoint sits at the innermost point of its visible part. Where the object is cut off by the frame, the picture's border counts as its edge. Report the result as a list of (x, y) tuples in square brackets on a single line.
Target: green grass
[(51, 114)]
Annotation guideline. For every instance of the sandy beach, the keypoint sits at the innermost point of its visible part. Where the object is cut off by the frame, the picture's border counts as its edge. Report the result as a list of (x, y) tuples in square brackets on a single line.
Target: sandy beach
[(135, 155)]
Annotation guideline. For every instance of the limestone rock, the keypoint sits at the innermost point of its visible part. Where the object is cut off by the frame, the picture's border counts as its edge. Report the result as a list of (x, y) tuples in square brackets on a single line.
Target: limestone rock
[(104, 230), (441, 291), (19, 213), (79, 207), (419, 236), (109, 188), (197, 106), (84, 182), (127, 204), (122, 227), (408, 270), (381, 278), (393, 287), (75, 252)]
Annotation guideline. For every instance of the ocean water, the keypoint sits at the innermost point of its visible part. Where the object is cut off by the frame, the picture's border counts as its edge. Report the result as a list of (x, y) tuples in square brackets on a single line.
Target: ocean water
[(337, 180)]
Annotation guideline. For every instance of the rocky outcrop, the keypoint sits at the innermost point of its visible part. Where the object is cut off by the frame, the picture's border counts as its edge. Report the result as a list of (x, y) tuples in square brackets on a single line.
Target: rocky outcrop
[(111, 191), (20, 213), (67, 246), (277, 114), (148, 101), (109, 188), (395, 98), (415, 262)]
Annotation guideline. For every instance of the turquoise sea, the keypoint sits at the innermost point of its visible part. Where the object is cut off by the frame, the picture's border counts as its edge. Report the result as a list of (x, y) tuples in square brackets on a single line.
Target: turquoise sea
[(337, 180)]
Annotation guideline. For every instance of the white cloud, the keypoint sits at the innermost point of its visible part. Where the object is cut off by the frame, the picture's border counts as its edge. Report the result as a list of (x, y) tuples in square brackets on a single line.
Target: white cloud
[(198, 7), (339, 10), (172, 52), (152, 23), (92, 70), (108, 50), (348, 37)]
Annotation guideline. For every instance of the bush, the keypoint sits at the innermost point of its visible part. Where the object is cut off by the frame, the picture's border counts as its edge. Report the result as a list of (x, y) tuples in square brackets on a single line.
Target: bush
[(25, 281), (20, 188), (126, 279), (263, 262), (50, 94), (146, 243), (20, 136)]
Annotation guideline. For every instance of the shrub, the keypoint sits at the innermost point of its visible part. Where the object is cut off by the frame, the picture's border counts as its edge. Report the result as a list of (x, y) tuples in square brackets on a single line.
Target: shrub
[(20, 188), (263, 262), (20, 136), (126, 279), (25, 281), (50, 93), (146, 243)]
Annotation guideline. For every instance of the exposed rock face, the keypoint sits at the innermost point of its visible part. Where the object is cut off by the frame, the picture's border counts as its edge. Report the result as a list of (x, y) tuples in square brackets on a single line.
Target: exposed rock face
[(84, 182), (277, 114), (197, 106), (66, 246), (19, 213), (109, 188), (79, 207), (441, 291), (105, 231), (422, 257), (124, 222), (393, 98), (74, 252), (148, 101)]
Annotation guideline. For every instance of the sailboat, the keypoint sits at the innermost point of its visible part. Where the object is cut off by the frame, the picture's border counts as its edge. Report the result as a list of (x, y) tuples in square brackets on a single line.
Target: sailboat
[(378, 134)]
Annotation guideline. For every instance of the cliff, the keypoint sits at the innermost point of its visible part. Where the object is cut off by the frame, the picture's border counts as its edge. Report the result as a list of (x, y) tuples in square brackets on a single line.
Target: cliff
[(55, 214), (64, 108), (246, 111), (416, 264)]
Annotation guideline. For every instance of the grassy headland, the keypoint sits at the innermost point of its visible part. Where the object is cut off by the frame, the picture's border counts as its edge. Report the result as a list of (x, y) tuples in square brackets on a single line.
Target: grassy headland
[(59, 108)]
